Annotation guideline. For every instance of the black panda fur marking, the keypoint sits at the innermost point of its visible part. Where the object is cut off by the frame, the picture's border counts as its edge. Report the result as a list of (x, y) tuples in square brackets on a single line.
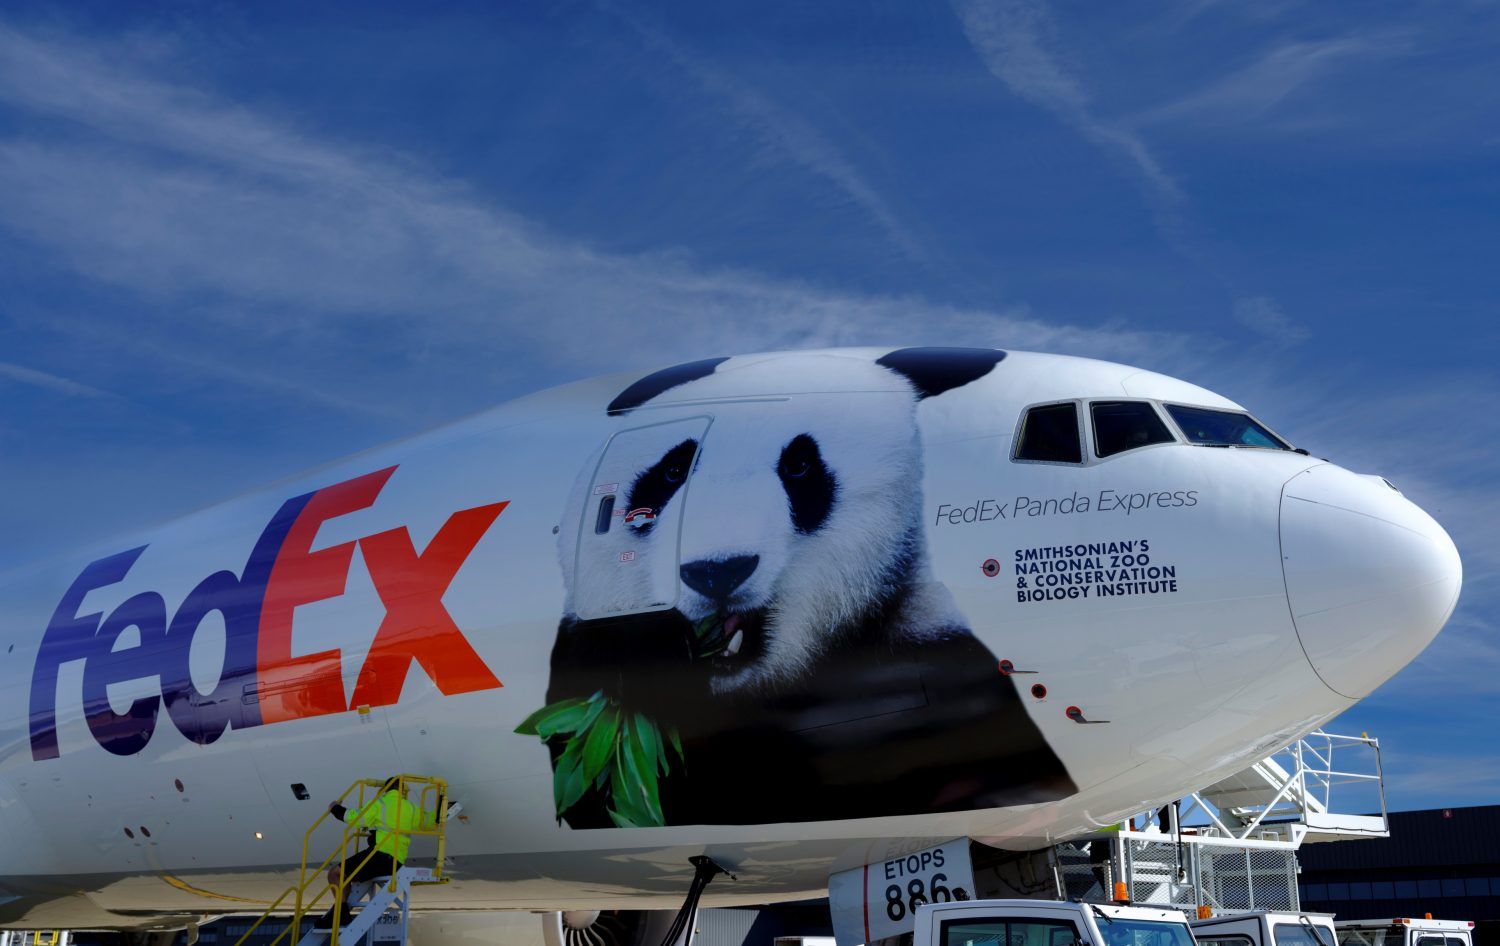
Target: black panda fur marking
[(935, 370), (896, 706), (811, 488), (659, 382), (653, 488)]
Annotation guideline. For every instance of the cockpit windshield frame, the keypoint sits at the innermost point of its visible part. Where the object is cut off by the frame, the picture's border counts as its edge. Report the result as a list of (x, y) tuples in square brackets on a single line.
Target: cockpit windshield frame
[(1088, 444), (1078, 418), (1166, 409), (1174, 437), (1083, 415)]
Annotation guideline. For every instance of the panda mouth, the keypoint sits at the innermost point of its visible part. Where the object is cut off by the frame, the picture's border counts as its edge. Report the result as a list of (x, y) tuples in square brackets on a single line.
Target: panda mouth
[(729, 638)]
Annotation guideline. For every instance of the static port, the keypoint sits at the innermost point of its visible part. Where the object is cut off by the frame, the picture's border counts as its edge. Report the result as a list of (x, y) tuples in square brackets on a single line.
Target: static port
[(129, 834), (178, 782), (1039, 691), (300, 792)]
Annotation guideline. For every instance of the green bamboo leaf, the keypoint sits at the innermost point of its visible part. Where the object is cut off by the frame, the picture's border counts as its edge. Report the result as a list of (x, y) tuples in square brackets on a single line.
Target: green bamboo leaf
[(676, 738), (528, 725), (565, 716), (640, 769), (626, 797), (568, 783), (620, 820), (596, 705), (600, 744), (649, 738), (707, 624), (662, 761)]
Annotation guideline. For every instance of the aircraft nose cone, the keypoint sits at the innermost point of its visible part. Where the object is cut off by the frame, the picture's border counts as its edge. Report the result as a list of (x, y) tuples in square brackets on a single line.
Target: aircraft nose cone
[(1370, 577)]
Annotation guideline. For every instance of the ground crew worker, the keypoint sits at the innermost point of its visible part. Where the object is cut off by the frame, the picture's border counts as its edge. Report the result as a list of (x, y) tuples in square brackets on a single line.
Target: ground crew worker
[(390, 818)]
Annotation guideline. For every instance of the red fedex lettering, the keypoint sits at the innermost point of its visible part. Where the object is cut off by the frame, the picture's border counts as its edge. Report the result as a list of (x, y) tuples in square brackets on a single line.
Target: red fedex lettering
[(417, 626), (311, 685)]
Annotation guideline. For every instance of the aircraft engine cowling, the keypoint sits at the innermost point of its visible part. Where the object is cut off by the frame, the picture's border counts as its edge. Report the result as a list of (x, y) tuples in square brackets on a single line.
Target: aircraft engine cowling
[(522, 928)]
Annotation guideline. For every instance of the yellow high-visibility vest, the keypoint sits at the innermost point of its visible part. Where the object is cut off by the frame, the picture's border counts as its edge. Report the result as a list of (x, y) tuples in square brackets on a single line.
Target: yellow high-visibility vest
[(392, 818)]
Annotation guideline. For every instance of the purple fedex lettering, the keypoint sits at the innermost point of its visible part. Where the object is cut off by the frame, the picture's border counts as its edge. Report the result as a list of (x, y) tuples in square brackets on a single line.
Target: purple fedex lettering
[(163, 649), (203, 717), (124, 733), (70, 636)]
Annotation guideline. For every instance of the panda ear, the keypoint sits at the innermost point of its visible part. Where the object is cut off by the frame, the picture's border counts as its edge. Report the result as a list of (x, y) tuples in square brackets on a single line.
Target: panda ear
[(661, 381), (935, 370)]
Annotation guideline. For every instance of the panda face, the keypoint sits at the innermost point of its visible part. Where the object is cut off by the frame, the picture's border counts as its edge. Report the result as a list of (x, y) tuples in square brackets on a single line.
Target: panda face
[(794, 529), (774, 529)]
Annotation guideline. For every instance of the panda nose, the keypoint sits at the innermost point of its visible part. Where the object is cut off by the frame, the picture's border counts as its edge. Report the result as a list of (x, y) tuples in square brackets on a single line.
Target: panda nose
[(718, 577)]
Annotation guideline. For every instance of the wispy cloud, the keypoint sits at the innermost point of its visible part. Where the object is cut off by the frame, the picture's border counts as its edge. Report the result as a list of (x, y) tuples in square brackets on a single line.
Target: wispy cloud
[(1263, 316), (20, 374), (779, 129), (1251, 93), (1463, 773), (170, 192), (1017, 41)]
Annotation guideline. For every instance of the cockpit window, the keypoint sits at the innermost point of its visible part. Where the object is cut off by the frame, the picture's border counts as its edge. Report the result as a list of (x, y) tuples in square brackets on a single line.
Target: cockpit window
[(1049, 434), (1223, 428), (1126, 425)]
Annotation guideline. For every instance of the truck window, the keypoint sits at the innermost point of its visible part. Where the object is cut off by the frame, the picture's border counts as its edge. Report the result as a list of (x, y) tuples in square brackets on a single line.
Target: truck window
[(1127, 932), (1009, 932), (1224, 940), (1431, 940), (1357, 937), (1298, 934)]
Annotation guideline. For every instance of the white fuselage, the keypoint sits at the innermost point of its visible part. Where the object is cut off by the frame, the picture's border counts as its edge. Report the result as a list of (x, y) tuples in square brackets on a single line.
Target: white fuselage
[(1149, 590)]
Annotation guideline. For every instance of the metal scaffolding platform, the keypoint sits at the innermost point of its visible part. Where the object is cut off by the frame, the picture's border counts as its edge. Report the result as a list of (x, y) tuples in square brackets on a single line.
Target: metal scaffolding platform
[(1232, 846)]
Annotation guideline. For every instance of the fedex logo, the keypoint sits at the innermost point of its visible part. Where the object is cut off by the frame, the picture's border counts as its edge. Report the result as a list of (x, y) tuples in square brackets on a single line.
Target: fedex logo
[(261, 681)]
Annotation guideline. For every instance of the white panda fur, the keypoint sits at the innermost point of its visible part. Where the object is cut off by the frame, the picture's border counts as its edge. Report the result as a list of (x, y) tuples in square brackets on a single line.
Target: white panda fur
[(863, 573), (812, 585)]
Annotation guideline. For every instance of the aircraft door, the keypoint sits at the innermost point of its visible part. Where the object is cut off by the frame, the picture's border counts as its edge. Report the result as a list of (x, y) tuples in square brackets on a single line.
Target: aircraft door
[(631, 523)]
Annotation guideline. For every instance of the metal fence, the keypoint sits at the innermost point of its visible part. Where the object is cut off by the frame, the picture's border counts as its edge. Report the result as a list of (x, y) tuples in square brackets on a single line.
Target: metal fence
[(1226, 877)]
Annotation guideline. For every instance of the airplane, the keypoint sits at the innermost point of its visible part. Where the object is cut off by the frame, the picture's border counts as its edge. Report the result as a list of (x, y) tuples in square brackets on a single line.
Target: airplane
[(785, 609)]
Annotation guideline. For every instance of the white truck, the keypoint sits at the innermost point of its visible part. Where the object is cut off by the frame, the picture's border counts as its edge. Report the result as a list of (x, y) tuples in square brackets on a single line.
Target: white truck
[(1405, 931), (1280, 928), (1266, 928), (1047, 923)]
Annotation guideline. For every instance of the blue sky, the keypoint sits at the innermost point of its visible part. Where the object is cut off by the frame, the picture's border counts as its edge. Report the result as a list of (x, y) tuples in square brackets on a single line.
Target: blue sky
[(238, 242)]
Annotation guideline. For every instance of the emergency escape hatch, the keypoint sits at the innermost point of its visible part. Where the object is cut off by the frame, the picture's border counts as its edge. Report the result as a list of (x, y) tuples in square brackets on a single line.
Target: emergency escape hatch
[(629, 533)]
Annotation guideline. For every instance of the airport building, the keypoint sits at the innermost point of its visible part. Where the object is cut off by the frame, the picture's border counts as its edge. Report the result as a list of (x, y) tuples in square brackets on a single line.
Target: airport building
[(1443, 861)]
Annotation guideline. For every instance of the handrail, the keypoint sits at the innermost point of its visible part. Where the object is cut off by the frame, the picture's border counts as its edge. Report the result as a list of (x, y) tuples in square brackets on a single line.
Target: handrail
[(1300, 796), (432, 788)]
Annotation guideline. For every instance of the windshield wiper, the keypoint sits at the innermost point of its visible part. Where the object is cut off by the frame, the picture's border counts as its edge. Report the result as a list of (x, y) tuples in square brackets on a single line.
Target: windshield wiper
[(1312, 928), (1100, 913)]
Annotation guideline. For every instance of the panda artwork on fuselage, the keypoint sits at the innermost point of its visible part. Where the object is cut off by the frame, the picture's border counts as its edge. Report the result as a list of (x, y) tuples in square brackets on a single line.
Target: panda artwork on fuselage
[(752, 633)]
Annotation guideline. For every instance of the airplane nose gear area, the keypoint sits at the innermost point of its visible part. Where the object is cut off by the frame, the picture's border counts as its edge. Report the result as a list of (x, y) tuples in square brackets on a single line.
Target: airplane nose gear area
[(1370, 577)]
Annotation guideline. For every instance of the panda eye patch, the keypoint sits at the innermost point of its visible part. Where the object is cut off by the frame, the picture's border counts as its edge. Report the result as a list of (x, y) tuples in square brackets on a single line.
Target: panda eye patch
[(658, 484), (811, 488)]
